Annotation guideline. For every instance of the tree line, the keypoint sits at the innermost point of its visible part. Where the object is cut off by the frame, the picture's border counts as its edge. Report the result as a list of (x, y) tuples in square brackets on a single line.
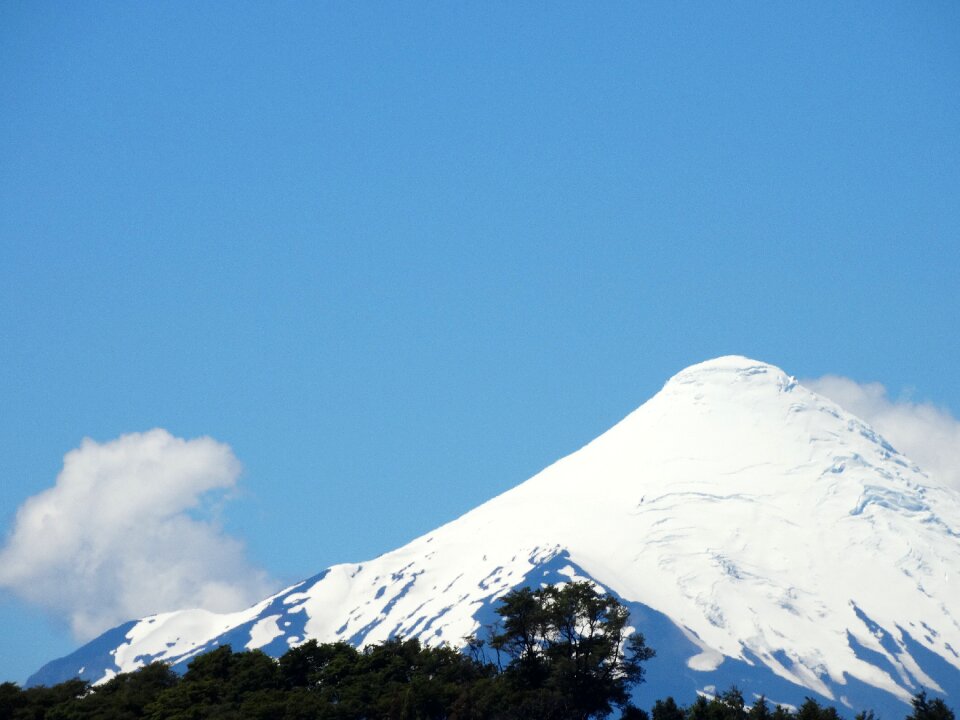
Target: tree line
[(556, 653)]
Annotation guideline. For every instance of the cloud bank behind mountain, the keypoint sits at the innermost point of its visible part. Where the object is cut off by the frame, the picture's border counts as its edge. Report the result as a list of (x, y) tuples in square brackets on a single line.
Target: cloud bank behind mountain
[(128, 530), (927, 434)]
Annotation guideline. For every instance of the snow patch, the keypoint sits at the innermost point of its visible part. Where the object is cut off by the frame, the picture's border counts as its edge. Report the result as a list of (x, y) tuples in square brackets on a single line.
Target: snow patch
[(263, 631)]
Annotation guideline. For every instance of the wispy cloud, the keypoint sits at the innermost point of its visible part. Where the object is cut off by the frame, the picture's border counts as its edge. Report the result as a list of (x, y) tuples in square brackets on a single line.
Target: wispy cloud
[(124, 533), (927, 434)]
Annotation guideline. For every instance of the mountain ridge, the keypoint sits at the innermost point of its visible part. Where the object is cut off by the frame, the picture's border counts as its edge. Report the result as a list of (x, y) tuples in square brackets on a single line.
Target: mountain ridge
[(778, 535)]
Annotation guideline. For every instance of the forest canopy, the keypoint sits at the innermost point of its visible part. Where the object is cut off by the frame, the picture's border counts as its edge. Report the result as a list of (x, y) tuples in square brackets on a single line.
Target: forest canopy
[(556, 653)]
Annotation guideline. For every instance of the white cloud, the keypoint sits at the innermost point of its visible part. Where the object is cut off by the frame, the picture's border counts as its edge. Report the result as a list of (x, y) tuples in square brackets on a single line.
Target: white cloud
[(124, 533), (928, 435)]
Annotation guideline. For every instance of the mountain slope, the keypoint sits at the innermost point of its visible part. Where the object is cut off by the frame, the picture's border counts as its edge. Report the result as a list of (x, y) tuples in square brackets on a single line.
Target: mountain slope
[(759, 533)]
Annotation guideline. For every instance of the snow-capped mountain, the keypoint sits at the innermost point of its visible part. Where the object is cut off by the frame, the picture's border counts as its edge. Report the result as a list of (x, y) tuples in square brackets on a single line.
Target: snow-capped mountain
[(761, 536)]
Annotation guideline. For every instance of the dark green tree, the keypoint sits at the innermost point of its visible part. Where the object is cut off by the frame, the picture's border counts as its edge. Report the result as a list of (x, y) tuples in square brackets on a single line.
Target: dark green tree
[(667, 710), (760, 710), (40, 702), (11, 700), (781, 713), (568, 650), (314, 665), (217, 684), (700, 709), (925, 709), (123, 697), (632, 712), (812, 710)]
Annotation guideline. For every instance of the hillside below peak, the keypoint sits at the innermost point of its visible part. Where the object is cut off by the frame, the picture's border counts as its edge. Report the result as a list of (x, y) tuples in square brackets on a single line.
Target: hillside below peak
[(763, 535)]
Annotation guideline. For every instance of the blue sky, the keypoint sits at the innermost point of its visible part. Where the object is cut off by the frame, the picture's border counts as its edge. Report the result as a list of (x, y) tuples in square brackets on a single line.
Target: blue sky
[(399, 257)]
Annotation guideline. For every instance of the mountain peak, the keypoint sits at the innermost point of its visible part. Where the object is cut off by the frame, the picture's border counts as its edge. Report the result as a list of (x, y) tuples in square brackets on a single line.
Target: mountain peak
[(735, 363), (733, 369)]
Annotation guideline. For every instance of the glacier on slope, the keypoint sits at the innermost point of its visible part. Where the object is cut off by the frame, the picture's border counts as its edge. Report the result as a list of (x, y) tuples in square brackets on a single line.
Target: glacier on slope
[(759, 533)]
